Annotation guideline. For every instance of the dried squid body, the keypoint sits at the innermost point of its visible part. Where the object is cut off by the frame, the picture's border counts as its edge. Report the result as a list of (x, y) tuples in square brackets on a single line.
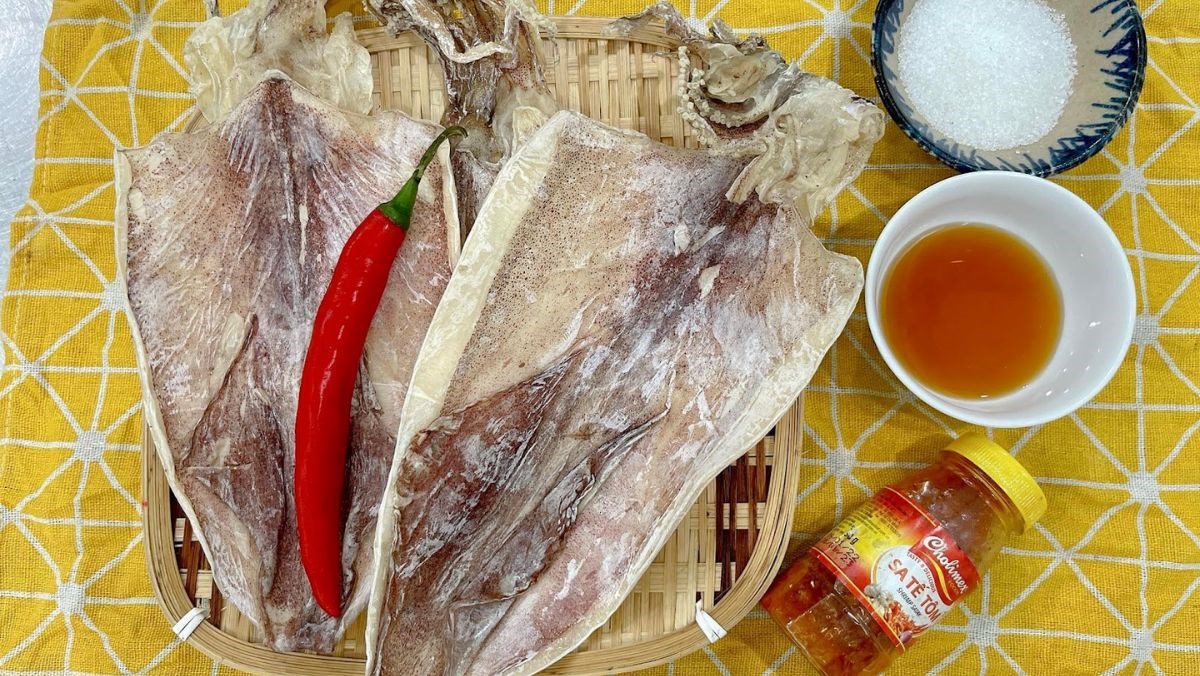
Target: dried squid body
[(226, 238), (613, 316)]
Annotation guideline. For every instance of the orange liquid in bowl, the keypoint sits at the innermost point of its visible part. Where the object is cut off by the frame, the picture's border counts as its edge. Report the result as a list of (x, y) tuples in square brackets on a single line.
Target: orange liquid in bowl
[(971, 311)]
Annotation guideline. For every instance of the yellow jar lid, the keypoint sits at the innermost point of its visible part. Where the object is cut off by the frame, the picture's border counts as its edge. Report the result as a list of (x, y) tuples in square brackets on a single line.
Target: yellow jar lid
[(1008, 473)]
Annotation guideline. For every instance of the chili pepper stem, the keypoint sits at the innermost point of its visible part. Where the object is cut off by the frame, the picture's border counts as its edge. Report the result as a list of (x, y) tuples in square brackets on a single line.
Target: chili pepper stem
[(399, 208)]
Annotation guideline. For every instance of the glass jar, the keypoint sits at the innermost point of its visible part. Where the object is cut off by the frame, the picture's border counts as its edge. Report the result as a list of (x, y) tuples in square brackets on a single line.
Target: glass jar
[(897, 564)]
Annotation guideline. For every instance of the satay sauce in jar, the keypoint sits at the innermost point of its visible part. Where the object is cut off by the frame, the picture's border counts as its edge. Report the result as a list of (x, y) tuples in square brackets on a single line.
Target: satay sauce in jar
[(897, 564)]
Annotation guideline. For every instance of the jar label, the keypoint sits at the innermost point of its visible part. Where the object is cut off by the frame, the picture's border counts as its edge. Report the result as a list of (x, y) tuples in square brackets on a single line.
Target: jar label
[(900, 563)]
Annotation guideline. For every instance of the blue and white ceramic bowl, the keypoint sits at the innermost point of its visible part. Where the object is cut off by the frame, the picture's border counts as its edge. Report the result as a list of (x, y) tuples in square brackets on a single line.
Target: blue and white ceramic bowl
[(1110, 43)]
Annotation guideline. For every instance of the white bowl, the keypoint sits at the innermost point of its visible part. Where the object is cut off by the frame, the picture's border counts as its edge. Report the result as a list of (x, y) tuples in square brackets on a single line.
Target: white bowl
[(1088, 263)]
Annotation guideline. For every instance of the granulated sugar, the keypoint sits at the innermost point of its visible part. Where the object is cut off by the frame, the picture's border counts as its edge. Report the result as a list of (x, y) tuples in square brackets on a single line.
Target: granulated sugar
[(992, 74)]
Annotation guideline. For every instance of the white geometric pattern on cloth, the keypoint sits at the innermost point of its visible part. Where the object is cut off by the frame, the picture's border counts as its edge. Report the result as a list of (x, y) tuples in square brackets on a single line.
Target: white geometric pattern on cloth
[(834, 404), (73, 596)]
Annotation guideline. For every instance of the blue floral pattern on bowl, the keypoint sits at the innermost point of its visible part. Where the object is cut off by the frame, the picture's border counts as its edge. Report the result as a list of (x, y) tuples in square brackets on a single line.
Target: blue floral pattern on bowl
[(1111, 49)]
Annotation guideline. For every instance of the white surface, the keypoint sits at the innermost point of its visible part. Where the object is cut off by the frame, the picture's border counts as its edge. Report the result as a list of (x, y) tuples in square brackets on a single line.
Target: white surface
[(21, 31), (1087, 261)]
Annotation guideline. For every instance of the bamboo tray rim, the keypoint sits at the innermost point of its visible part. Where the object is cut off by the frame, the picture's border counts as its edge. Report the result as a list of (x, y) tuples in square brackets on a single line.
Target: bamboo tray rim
[(737, 601), (652, 33)]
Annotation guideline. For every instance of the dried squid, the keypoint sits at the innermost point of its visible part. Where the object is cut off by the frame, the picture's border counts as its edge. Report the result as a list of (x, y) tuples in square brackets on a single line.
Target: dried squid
[(227, 237), (625, 320)]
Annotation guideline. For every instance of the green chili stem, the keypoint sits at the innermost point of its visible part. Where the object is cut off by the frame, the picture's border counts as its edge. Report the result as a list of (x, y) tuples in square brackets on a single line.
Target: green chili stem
[(399, 208)]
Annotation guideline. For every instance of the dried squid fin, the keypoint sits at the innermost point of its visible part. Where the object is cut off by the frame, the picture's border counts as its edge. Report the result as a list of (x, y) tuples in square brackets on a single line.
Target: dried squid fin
[(531, 543), (494, 518), (237, 458), (223, 461), (226, 57), (512, 418), (456, 494)]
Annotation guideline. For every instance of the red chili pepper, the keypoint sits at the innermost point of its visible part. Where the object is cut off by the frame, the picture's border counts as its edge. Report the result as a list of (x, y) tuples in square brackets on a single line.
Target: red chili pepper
[(327, 384)]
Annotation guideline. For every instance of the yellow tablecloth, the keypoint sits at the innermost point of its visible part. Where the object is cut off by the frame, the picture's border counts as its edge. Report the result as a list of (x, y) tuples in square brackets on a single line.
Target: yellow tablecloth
[(1110, 580)]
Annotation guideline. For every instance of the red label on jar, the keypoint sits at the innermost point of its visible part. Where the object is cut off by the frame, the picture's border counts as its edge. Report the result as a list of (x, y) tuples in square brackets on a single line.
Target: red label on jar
[(900, 563)]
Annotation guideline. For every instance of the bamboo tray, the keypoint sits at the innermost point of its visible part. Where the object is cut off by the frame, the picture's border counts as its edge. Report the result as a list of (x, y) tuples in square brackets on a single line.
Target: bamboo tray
[(724, 553)]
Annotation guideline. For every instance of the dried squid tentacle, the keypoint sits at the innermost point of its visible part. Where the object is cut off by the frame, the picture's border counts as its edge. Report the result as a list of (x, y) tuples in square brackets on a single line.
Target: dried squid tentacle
[(744, 99), (495, 87)]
